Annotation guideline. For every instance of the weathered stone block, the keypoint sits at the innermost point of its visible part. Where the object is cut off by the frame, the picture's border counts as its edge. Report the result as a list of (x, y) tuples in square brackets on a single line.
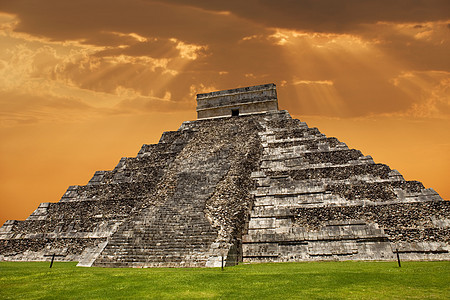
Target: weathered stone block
[(235, 102)]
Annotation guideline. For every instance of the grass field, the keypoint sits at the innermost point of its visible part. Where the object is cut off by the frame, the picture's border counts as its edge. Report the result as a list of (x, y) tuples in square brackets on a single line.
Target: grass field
[(318, 280)]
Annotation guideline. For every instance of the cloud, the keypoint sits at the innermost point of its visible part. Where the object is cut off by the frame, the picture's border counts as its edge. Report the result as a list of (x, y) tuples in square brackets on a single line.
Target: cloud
[(308, 82), (333, 58), (80, 20), (151, 47), (24, 108), (327, 15), (142, 105), (433, 89), (41, 66)]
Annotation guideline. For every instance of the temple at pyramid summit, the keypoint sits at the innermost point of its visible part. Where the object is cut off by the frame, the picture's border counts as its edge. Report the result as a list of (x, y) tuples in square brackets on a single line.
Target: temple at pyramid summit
[(243, 183)]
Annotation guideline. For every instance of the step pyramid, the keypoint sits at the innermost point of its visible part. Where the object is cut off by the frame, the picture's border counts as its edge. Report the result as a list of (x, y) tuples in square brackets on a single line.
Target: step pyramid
[(243, 183)]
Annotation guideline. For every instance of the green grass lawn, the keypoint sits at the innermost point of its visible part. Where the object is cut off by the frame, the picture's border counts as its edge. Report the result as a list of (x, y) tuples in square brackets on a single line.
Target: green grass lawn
[(317, 280)]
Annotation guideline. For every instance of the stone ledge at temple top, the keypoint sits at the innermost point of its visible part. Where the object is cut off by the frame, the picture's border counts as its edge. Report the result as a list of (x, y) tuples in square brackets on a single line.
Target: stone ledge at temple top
[(241, 101)]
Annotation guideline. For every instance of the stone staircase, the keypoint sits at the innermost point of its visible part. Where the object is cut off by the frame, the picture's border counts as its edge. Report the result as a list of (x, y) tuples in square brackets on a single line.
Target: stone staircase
[(181, 230), (174, 232), (172, 240)]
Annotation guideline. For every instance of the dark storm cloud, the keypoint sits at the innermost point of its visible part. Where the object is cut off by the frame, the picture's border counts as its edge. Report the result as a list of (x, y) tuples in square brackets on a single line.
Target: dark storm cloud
[(97, 22), (428, 52), (327, 15), (84, 19)]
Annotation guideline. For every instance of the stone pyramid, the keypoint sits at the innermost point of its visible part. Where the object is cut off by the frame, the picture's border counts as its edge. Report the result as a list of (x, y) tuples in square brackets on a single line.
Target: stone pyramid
[(244, 182)]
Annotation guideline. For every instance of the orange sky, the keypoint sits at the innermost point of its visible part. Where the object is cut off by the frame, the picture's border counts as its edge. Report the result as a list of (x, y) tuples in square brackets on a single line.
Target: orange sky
[(83, 83)]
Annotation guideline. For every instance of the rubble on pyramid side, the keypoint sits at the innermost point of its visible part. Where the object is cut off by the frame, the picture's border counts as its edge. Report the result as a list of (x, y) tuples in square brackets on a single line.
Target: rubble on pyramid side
[(245, 182)]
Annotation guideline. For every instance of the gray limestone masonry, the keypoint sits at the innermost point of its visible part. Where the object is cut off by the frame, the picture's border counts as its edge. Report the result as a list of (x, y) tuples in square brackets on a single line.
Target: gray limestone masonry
[(236, 102), (256, 186)]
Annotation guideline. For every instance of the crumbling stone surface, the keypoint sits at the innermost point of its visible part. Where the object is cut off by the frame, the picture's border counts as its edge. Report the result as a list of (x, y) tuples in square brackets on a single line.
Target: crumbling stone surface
[(390, 217), (47, 246), (311, 144), (335, 172), (376, 191), (332, 157), (285, 124), (229, 206)]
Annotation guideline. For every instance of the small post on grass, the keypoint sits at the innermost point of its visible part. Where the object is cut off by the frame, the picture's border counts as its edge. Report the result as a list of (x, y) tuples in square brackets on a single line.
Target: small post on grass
[(222, 262), (53, 258), (398, 258)]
